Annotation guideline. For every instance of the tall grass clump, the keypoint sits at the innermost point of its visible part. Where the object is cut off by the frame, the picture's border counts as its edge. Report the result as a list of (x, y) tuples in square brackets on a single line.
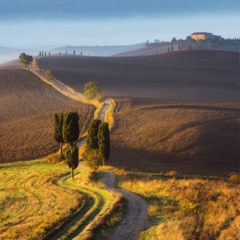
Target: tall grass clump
[(110, 113), (188, 208)]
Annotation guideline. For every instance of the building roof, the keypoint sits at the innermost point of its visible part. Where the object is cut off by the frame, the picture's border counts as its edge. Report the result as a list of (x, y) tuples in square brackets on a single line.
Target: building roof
[(196, 33)]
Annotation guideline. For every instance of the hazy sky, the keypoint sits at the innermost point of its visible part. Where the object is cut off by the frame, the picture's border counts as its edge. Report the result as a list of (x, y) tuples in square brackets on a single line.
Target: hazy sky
[(56, 23)]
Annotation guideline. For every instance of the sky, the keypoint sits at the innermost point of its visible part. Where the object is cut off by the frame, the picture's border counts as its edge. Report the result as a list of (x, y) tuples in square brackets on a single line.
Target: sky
[(56, 23)]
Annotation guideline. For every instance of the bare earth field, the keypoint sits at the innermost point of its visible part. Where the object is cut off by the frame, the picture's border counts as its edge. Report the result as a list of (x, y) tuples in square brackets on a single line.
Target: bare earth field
[(27, 106), (205, 76), (196, 131), (154, 135)]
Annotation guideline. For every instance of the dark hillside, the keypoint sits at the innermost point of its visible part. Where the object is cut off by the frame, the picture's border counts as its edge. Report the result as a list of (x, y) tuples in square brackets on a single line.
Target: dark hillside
[(205, 76)]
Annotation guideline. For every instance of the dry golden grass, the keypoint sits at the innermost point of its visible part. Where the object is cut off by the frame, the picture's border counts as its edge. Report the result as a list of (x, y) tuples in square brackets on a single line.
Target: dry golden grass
[(188, 208), (39, 200), (31, 205), (154, 135), (27, 106)]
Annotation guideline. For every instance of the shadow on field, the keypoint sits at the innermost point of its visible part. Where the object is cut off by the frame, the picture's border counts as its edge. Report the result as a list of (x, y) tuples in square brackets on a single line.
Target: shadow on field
[(194, 107), (211, 155)]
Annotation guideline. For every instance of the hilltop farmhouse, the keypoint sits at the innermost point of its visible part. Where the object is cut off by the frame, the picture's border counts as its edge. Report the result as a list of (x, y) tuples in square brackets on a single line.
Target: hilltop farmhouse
[(201, 36)]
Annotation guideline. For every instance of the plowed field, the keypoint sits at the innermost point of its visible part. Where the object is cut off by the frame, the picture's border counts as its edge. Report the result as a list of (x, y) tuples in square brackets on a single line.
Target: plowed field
[(196, 132), (205, 76), (27, 106), (153, 135)]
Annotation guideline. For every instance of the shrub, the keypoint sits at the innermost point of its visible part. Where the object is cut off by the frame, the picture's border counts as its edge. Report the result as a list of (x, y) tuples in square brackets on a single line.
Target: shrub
[(234, 177), (92, 90), (48, 74)]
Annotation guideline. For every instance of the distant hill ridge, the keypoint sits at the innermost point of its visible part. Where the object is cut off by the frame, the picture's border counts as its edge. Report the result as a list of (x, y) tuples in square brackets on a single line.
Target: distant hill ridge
[(96, 50)]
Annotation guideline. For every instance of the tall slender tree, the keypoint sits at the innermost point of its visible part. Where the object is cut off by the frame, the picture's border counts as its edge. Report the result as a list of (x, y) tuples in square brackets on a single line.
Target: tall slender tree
[(92, 139), (104, 142), (70, 135), (70, 127), (58, 125), (71, 156)]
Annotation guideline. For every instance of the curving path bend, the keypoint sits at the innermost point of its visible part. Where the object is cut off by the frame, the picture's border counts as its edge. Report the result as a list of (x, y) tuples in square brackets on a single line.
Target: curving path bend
[(137, 215)]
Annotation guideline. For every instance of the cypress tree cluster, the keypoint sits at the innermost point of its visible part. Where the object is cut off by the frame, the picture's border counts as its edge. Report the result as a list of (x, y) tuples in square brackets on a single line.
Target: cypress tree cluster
[(97, 143), (66, 130)]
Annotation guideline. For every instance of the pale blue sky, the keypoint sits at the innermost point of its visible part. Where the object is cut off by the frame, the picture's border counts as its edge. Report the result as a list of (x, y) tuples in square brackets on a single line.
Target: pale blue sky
[(56, 23)]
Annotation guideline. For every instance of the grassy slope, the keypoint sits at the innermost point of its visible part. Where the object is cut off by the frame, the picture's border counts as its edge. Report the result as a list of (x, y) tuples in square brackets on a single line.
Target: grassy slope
[(30, 204), (27, 106), (187, 208), (40, 201)]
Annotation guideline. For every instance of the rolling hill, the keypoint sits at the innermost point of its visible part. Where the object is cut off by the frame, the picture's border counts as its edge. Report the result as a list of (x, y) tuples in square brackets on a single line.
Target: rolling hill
[(205, 76), (27, 106), (191, 126)]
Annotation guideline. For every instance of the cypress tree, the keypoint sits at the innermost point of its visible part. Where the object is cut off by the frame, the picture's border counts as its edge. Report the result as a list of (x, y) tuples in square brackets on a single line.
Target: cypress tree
[(92, 135), (71, 156), (70, 127), (104, 142), (58, 125)]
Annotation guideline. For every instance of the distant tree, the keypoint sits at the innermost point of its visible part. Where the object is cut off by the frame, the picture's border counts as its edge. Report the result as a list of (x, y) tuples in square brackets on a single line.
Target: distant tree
[(92, 90), (58, 125), (70, 127), (174, 40), (25, 59), (71, 157), (103, 142), (92, 135)]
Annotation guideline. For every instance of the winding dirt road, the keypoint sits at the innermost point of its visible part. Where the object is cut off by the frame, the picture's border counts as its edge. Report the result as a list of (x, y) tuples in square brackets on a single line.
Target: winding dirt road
[(137, 214)]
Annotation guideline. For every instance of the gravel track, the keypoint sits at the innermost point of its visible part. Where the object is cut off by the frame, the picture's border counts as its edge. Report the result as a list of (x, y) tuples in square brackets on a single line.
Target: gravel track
[(137, 215)]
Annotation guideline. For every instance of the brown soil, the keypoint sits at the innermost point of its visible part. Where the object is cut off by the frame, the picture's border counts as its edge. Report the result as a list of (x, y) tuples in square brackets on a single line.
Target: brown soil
[(197, 132), (153, 135), (205, 76), (27, 106)]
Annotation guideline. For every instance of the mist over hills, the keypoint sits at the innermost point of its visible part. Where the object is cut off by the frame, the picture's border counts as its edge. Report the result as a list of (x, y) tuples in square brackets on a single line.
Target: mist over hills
[(9, 54), (96, 50)]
